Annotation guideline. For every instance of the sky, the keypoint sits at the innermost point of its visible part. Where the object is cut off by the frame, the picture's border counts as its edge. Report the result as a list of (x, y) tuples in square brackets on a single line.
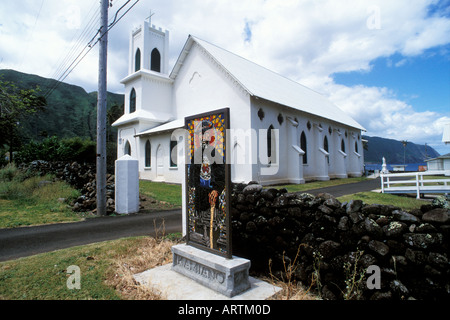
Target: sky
[(386, 63)]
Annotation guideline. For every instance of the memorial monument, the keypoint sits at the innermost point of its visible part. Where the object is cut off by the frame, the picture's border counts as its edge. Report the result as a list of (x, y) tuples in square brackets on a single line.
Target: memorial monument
[(207, 255)]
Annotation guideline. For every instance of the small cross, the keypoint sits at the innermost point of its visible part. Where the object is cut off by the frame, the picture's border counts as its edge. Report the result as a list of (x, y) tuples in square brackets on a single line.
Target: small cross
[(150, 17)]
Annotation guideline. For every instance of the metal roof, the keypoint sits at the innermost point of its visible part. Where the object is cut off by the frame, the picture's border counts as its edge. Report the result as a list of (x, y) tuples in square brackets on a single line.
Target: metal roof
[(263, 83)]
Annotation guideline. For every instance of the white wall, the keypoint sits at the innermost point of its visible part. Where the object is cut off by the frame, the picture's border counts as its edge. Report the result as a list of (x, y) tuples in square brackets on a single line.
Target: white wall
[(160, 169), (202, 86), (340, 164)]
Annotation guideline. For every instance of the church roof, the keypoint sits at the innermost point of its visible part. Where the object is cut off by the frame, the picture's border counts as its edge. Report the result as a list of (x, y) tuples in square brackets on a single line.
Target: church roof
[(263, 83), (143, 115)]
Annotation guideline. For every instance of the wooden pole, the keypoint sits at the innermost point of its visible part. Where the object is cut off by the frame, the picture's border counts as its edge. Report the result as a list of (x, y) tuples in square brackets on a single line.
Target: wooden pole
[(101, 110)]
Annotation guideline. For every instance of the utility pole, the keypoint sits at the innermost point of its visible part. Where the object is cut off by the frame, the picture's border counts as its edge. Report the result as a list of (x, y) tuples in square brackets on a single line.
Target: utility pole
[(101, 110)]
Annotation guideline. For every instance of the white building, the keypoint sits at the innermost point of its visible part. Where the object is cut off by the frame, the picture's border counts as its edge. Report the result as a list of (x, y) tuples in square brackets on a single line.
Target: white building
[(314, 138)]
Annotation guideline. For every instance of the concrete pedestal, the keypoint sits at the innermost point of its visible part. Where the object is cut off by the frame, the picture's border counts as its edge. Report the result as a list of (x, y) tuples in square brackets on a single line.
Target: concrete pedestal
[(229, 277), (127, 185)]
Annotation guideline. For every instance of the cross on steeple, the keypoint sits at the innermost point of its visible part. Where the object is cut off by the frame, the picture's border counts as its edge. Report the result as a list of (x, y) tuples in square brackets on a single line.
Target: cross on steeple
[(149, 18)]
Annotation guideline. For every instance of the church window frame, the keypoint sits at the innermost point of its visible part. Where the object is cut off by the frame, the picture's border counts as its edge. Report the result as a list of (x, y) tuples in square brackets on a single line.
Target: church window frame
[(343, 145), (148, 154), (137, 60), (304, 147), (271, 146), (173, 158), (132, 101), (326, 147), (127, 148), (155, 60)]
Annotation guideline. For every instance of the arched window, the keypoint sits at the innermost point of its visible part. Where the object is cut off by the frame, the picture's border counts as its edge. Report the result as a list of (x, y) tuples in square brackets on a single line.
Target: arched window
[(155, 61), (303, 146), (132, 100), (356, 146), (325, 147), (137, 60), (127, 149), (342, 145), (271, 145), (173, 154), (148, 154)]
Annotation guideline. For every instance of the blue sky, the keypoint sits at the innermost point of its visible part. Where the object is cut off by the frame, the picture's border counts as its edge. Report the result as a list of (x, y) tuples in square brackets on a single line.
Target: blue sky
[(386, 63), (422, 81)]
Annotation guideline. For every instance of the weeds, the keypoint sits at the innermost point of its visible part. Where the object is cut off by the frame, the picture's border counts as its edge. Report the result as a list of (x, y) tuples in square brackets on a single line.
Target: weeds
[(291, 289), (354, 277)]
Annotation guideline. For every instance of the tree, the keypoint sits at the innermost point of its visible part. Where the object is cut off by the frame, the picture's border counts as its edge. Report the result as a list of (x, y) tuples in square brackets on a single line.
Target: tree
[(15, 105)]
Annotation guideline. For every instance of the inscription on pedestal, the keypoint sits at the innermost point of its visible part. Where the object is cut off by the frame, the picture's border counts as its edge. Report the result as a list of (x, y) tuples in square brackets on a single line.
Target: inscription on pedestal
[(227, 276), (199, 269)]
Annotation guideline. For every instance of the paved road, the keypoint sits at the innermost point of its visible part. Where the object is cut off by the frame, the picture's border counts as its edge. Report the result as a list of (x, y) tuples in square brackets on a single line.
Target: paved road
[(26, 241), (351, 188)]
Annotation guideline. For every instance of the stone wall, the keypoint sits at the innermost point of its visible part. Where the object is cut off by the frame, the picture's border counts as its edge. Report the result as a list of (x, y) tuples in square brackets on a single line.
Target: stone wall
[(81, 177), (410, 248)]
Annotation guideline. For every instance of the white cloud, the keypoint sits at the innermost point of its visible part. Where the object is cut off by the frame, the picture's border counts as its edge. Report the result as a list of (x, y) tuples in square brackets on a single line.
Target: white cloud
[(307, 41)]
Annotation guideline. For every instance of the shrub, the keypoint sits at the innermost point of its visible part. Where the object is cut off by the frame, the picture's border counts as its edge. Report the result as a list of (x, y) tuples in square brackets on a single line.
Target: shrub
[(54, 149)]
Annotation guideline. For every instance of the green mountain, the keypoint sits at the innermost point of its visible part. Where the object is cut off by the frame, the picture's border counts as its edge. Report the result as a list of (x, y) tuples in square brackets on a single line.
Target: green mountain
[(70, 110), (395, 153)]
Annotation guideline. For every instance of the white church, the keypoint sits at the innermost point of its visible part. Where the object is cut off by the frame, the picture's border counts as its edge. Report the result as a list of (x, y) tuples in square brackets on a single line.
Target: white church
[(313, 139)]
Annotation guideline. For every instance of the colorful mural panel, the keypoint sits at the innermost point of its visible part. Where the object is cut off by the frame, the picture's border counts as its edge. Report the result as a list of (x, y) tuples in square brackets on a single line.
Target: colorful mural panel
[(208, 182)]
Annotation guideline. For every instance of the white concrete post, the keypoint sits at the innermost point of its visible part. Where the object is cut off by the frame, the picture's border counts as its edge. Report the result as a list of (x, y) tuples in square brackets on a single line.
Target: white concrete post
[(127, 185)]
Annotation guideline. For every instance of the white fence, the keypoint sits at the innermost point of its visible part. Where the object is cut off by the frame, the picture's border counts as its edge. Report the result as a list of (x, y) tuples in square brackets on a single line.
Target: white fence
[(393, 183)]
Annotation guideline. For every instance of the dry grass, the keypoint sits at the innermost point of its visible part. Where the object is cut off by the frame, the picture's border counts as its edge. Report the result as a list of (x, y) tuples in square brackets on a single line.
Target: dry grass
[(151, 252)]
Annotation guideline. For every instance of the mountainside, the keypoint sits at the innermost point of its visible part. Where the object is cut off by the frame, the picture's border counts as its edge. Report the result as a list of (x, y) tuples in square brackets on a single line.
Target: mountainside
[(70, 110), (395, 153)]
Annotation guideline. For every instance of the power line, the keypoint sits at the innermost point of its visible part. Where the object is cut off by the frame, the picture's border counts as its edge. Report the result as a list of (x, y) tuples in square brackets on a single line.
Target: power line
[(80, 39), (89, 46)]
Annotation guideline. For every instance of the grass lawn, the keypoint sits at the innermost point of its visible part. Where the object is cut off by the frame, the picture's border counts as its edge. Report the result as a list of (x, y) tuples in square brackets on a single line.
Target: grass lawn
[(35, 201), (106, 271), (164, 192), (317, 184), (406, 203)]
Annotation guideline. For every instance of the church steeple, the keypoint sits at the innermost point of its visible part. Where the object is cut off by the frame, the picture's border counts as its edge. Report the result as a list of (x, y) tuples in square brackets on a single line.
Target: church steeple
[(149, 48)]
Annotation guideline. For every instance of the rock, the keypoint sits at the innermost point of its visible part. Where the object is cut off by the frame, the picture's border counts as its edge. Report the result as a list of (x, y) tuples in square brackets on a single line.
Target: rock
[(438, 215), (354, 206), (252, 188), (250, 226), (343, 223), (333, 203), (404, 216), (394, 229), (269, 194), (325, 209), (426, 228), (372, 228), (329, 249), (399, 288), (355, 217), (379, 247), (423, 240), (438, 260), (415, 256), (367, 260)]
